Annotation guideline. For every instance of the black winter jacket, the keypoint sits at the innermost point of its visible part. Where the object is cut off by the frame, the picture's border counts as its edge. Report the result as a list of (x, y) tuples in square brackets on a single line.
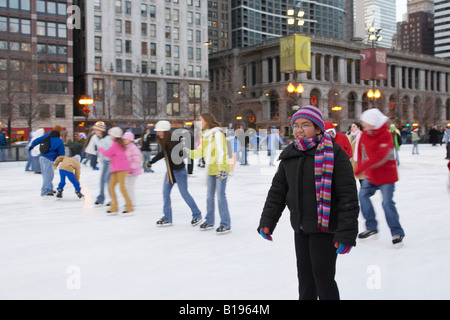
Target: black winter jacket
[(293, 185), (178, 164)]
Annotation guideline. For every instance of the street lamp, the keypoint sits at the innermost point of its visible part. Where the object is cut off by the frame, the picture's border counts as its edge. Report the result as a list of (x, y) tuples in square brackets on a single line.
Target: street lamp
[(295, 18), (375, 37), (86, 102)]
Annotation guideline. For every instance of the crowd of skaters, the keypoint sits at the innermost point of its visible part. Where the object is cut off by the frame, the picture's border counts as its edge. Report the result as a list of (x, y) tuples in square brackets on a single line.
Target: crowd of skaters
[(316, 180)]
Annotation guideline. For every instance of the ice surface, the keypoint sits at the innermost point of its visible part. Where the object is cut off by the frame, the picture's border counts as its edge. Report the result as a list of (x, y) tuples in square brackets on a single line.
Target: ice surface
[(70, 249)]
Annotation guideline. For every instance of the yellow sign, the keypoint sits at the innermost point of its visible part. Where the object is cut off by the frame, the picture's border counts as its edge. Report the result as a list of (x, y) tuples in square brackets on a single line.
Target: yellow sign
[(295, 53)]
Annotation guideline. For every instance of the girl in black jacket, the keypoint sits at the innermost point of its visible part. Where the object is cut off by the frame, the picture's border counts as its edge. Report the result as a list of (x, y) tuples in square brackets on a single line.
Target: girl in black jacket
[(176, 173), (315, 180)]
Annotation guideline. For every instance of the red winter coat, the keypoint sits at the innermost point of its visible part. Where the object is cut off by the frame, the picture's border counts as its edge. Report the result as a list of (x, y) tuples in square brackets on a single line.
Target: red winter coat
[(342, 140), (376, 157)]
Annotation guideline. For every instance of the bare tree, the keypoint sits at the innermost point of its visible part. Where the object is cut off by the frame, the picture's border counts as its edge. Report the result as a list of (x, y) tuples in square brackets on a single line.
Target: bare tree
[(226, 99)]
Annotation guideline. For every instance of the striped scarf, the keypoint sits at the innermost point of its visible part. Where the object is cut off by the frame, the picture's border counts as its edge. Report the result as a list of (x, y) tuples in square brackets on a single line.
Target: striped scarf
[(323, 173)]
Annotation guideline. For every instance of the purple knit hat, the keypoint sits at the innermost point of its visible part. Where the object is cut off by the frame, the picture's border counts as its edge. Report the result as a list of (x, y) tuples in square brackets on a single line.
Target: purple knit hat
[(312, 113)]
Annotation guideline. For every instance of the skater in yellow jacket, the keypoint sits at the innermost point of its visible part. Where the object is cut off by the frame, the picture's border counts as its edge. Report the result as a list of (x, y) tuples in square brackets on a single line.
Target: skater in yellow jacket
[(213, 148)]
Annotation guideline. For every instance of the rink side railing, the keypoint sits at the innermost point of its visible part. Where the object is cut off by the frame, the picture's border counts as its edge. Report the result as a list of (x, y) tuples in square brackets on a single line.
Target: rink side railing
[(18, 152)]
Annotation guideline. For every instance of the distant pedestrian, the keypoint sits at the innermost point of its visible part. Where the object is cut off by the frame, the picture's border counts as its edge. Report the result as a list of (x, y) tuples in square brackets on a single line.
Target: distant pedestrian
[(105, 172), (446, 141), (56, 148), (397, 139), (354, 137), (415, 138), (434, 135), (377, 162), (134, 156), (3, 145), (146, 149)]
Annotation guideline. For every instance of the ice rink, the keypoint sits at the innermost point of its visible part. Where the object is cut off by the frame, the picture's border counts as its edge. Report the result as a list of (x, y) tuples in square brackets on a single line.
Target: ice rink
[(69, 249)]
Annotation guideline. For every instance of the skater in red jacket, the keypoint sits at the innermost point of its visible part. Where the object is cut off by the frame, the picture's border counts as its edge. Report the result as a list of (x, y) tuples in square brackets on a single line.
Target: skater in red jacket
[(340, 138), (377, 162)]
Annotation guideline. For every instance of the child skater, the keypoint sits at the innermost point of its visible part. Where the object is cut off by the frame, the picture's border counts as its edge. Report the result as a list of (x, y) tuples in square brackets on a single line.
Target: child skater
[(134, 156), (315, 181), (68, 168), (119, 170)]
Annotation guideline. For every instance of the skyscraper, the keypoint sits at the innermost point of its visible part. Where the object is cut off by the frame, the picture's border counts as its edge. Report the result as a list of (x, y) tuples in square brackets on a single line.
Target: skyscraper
[(378, 13), (442, 28), (254, 21), (142, 60)]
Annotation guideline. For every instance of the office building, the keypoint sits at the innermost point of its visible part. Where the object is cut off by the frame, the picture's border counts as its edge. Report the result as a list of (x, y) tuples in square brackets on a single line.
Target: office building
[(141, 61), (442, 28), (36, 77), (380, 14)]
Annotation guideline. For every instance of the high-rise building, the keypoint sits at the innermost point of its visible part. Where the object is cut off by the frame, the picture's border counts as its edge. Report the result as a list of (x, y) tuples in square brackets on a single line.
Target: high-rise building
[(417, 34), (36, 79), (442, 28), (219, 24), (142, 60), (380, 14), (254, 21)]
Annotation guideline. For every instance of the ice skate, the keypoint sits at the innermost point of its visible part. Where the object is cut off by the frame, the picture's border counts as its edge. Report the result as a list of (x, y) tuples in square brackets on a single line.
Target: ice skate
[(59, 194), (163, 223), (196, 221), (372, 234), (397, 241), (79, 195), (223, 230), (205, 226), (127, 213)]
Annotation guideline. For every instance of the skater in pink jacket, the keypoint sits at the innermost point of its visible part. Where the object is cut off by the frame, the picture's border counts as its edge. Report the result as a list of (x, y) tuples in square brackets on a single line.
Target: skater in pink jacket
[(134, 156), (119, 170)]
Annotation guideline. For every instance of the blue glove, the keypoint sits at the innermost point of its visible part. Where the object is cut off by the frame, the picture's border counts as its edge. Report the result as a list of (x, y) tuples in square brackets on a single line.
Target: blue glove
[(265, 233), (342, 248)]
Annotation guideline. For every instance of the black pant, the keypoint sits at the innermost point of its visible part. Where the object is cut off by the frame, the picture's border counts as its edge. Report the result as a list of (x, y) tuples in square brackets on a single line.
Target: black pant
[(316, 266), (448, 151)]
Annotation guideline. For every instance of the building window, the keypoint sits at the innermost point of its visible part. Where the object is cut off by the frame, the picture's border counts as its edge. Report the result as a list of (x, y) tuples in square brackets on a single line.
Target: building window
[(44, 111), (124, 97), (173, 99), (60, 111), (149, 98)]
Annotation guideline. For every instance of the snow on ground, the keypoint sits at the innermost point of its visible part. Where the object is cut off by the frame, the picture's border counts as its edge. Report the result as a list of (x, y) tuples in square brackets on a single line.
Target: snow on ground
[(70, 249)]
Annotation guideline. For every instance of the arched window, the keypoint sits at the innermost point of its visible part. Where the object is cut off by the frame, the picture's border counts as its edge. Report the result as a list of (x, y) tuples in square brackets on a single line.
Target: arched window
[(351, 100)]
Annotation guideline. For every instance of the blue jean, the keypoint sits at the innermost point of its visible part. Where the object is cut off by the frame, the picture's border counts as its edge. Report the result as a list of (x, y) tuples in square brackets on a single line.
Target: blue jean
[(105, 175), (69, 175), (387, 191), (181, 180), (146, 157), (212, 185), (29, 165), (47, 175), (415, 147)]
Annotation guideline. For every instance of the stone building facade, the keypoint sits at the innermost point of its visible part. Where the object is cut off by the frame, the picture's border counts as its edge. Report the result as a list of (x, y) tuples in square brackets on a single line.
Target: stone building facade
[(246, 83)]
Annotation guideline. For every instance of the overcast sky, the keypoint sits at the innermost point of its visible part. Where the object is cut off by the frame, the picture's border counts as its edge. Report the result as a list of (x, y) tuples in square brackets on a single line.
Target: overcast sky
[(401, 9)]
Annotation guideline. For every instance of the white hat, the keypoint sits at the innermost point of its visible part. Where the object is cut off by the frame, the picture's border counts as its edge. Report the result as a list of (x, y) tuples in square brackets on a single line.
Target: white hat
[(77, 157), (162, 125), (115, 132), (374, 117)]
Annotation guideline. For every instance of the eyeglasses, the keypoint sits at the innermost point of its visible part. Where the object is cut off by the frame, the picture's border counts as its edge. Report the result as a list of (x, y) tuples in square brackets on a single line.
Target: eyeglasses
[(304, 126)]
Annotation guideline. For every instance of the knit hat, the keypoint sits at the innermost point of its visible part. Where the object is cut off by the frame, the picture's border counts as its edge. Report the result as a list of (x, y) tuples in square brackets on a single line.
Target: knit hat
[(115, 132), (312, 113), (329, 126), (77, 157), (374, 117), (128, 136), (99, 125)]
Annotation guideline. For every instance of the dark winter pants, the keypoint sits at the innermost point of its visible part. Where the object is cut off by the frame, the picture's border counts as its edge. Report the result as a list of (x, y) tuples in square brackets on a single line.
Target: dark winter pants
[(316, 266)]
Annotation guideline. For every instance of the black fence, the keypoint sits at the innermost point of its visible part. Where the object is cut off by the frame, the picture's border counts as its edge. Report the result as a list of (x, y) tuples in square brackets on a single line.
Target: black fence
[(19, 153)]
